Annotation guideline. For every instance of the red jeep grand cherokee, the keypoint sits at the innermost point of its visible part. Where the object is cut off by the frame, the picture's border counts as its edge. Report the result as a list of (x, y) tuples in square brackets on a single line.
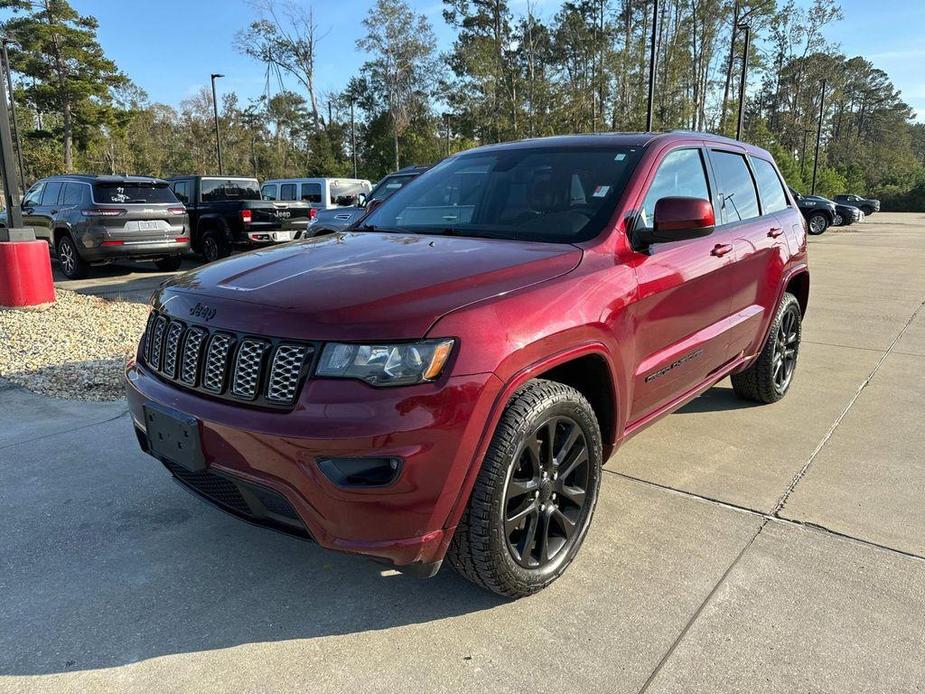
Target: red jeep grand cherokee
[(447, 378)]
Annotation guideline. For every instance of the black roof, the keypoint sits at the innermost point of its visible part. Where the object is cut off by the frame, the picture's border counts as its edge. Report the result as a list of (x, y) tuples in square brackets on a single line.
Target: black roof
[(90, 178)]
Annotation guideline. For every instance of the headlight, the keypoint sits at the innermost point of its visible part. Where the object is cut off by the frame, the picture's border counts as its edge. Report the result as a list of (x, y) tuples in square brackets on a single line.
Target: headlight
[(386, 364)]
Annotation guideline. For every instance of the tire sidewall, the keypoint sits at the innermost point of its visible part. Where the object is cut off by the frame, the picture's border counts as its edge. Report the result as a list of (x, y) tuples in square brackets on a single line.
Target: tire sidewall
[(580, 412), (75, 272), (825, 222)]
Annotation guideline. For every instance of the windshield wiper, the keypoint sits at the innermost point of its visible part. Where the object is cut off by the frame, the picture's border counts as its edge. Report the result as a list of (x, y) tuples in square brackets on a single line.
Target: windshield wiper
[(379, 229)]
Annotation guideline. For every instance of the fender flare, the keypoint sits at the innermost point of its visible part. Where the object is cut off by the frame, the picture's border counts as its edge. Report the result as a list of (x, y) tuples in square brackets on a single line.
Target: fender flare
[(504, 395)]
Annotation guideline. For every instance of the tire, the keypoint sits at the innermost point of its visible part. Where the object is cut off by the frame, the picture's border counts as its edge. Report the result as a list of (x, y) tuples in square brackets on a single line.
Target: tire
[(72, 265), (508, 541), (838, 221), (169, 264), (764, 381), (817, 223), (867, 210), (214, 247)]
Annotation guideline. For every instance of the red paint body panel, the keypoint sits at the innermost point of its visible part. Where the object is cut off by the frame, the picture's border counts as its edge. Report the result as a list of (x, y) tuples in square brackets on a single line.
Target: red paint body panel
[(667, 323)]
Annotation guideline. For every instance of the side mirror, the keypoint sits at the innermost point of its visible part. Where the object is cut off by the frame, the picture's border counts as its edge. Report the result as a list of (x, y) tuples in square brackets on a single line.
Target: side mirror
[(361, 200), (373, 204), (679, 219)]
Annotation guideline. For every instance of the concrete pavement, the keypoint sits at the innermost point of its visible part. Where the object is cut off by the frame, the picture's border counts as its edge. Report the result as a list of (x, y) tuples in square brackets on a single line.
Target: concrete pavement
[(735, 548)]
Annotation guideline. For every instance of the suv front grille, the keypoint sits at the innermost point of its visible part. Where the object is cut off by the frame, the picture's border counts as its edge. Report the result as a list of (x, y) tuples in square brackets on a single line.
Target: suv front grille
[(263, 371)]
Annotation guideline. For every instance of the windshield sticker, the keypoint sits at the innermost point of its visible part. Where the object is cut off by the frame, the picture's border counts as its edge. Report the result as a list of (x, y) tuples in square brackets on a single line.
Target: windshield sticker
[(600, 191)]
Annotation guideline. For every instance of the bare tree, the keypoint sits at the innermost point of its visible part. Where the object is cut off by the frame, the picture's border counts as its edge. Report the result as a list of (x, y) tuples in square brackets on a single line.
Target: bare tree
[(287, 37)]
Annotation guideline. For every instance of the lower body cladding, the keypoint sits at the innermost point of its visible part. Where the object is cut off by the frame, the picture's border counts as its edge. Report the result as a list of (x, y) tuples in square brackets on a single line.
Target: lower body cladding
[(377, 472)]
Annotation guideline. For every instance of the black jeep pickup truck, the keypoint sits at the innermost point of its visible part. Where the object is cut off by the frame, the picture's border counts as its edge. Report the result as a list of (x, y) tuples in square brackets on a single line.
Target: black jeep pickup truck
[(227, 212)]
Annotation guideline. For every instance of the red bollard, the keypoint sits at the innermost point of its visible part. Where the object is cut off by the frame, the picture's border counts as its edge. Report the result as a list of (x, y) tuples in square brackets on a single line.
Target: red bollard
[(25, 274)]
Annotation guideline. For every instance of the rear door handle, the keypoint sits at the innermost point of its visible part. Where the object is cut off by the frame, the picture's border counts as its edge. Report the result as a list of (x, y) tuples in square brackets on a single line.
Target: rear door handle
[(775, 232), (721, 249)]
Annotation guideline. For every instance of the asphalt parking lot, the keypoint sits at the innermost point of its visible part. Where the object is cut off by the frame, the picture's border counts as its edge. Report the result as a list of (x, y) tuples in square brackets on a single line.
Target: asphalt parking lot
[(736, 548)]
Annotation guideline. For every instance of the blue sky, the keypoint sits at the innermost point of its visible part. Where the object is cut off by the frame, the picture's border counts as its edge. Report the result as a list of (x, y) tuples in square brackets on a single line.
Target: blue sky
[(171, 47)]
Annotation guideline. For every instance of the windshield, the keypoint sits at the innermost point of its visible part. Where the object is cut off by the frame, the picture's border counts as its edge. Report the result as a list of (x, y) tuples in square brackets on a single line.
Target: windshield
[(132, 192), (549, 194), (389, 185)]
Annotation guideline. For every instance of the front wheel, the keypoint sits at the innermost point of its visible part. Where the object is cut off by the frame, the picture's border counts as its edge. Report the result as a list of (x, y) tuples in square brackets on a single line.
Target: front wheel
[(818, 223), (769, 377), (535, 494), (214, 246)]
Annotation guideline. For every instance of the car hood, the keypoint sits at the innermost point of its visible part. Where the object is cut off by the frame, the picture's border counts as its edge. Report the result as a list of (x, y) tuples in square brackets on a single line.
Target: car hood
[(359, 285)]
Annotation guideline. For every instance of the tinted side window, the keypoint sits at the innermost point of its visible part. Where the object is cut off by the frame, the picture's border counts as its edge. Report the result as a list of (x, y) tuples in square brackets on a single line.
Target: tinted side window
[(681, 174), (268, 192), (769, 186), (311, 192), (73, 194), (287, 191), (737, 190), (52, 189), (33, 196), (181, 190)]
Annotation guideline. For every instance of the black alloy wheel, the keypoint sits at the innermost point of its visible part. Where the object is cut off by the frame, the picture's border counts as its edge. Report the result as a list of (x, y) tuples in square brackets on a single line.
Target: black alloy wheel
[(546, 492), (785, 349)]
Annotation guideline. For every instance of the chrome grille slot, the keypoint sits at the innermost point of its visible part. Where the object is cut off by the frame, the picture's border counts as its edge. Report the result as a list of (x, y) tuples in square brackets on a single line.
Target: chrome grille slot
[(192, 353), (172, 348), (247, 367), (157, 342), (256, 370), (285, 372), (213, 377)]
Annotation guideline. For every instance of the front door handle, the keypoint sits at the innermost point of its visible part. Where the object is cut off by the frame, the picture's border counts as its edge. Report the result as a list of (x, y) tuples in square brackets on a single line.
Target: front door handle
[(721, 249), (54, 211), (775, 232)]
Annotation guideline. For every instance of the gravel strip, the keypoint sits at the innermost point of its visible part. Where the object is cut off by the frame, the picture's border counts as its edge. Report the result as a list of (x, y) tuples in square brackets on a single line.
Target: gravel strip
[(75, 348)]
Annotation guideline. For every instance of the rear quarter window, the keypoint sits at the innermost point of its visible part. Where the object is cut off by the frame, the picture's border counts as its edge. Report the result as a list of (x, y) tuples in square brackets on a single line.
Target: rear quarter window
[(770, 187), (311, 192)]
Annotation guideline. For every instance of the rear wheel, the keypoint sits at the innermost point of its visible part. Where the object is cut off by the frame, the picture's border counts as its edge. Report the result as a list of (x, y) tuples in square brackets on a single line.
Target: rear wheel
[(535, 494), (214, 246), (169, 264), (768, 379), (818, 223), (838, 221), (867, 209), (72, 265)]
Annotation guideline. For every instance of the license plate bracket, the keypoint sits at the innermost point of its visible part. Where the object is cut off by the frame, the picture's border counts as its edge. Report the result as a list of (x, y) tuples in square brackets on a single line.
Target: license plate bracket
[(174, 436)]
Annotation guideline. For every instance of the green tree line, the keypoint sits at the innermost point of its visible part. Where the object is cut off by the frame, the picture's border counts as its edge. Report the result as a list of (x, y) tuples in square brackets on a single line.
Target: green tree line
[(581, 67)]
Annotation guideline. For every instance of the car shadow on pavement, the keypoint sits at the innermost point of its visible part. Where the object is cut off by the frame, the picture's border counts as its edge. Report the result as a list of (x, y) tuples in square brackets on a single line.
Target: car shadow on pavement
[(108, 562), (716, 399)]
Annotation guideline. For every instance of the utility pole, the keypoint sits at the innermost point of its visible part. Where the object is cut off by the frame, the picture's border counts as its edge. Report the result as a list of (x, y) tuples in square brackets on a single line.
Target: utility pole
[(651, 103), (218, 137), (9, 82), (818, 136), (806, 131), (353, 139), (747, 31)]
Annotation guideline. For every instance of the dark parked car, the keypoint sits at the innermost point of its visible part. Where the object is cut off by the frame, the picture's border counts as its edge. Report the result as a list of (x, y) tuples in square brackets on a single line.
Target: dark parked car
[(227, 212), (447, 379), (867, 205), (92, 220), (819, 212), (339, 218)]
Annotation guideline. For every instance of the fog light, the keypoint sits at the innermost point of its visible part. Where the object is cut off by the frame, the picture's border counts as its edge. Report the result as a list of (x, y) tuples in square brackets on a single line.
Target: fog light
[(361, 472)]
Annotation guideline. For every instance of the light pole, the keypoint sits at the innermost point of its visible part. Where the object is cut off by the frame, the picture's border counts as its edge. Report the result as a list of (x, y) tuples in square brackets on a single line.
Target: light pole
[(218, 137), (8, 169), (818, 136), (651, 102), (446, 130), (9, 82), (353, 139), (739, 125), (806, 131)]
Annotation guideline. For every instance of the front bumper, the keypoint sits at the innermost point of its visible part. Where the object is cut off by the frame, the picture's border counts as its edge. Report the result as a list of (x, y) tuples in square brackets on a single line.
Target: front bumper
[(435, 429)]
